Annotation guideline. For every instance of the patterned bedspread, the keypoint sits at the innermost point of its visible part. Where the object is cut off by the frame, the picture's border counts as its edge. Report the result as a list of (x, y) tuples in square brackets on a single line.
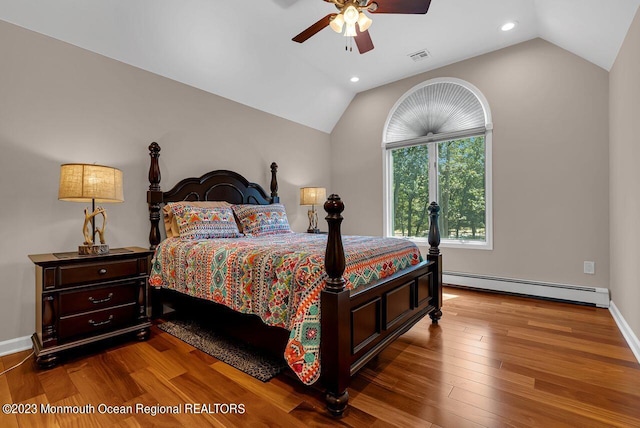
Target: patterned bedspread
[(277, 277)]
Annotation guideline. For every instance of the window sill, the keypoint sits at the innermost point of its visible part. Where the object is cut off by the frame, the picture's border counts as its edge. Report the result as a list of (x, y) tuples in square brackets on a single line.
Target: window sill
[(447, 243)]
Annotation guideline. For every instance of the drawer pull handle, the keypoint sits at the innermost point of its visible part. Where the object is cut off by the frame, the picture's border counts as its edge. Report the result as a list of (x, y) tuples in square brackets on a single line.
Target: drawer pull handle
[(102, 271), (98, 301), (98, 324)]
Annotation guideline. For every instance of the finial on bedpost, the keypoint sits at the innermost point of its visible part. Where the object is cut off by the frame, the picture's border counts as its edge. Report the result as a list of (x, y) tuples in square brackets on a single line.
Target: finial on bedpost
[(334, 260), (434, 230), (154, 168), (154, 195), (435, 257), (274, 182)]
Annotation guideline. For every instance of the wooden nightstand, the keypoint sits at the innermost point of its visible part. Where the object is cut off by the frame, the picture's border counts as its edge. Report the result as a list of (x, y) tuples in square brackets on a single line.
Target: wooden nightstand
[(84, 299)]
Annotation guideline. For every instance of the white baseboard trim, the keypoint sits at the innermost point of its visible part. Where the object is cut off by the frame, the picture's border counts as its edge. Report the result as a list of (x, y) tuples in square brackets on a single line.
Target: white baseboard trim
[(572, 293), (629, 335), (18, 344)]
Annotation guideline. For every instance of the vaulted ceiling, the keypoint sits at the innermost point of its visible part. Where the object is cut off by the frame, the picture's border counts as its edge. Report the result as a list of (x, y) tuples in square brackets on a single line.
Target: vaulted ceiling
[(243, 50)]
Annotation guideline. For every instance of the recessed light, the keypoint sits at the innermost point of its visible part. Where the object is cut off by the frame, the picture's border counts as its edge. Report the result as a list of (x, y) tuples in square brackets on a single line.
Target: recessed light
[(354, 79), (508, 26)]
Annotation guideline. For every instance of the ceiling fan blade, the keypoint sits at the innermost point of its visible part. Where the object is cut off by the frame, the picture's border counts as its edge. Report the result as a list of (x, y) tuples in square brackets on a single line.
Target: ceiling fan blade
[(363, 41), (402, 6), (312, 30)]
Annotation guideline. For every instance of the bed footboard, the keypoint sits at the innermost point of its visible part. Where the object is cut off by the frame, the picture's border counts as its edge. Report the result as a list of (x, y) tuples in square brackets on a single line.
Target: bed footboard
[(357, 325)]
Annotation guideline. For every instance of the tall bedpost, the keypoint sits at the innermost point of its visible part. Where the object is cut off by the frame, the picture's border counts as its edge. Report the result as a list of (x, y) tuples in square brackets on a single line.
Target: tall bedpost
[(154, 195), (334, 347), (334, 261), (435, 256), (274, 183)]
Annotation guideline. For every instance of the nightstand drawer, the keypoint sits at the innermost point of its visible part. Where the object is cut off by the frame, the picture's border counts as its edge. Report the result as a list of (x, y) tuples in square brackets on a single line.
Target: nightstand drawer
[(96, 298), (98, 321), (101, 271)]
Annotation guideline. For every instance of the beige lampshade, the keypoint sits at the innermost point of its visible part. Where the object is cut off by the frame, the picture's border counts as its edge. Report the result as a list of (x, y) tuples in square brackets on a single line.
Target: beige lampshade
[(85, 182), (313, 195)]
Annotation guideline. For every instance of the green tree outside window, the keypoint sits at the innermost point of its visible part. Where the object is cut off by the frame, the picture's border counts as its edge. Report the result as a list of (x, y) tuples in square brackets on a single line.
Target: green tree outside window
[(460, 177)]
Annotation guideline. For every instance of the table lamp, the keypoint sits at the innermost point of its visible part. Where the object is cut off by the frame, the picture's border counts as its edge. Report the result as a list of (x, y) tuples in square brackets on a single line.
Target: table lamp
[(91, 183), (313, 196)]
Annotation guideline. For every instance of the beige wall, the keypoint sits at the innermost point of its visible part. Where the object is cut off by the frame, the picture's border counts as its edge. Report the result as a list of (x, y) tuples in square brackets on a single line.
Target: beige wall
[(550, 163), (624, 197), (59, 103)]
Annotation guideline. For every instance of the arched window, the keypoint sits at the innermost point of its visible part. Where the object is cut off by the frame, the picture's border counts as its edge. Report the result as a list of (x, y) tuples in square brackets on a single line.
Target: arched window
[(437, 147)]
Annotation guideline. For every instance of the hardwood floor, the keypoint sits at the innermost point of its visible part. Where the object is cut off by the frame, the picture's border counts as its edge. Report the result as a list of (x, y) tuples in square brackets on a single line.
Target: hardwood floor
[(493, 361)]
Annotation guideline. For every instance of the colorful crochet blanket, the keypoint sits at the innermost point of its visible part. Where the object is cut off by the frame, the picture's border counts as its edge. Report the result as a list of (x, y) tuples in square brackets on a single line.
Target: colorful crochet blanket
[(277, 277)]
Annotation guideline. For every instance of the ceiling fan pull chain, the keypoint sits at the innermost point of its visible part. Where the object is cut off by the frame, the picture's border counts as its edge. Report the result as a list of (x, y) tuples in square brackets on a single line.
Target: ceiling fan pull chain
[(348, 45)]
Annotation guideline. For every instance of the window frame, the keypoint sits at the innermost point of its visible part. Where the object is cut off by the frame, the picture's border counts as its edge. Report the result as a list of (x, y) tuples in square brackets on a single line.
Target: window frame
[(432, 140)]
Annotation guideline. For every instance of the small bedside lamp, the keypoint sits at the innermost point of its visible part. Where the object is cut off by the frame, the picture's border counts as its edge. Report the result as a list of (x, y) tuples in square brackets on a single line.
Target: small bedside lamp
[(91, 183), (313, 196)]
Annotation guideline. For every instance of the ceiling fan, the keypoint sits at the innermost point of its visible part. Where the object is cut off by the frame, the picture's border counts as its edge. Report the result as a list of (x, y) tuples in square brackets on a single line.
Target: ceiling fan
[(351, 12)]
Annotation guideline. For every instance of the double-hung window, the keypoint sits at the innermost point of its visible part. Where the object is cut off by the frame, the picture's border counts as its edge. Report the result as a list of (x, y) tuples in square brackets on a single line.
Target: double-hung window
[(437, 147)]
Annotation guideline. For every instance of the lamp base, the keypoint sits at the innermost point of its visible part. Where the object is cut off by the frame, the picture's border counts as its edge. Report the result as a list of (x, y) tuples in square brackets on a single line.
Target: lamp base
[(93, 250), (316, 230)]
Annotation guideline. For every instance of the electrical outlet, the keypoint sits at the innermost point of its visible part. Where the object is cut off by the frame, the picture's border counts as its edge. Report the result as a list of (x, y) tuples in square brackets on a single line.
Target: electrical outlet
[(590, 267)]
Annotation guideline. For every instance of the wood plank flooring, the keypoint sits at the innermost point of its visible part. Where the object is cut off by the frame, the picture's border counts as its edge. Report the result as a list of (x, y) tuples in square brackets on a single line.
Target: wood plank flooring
[(493, 361)]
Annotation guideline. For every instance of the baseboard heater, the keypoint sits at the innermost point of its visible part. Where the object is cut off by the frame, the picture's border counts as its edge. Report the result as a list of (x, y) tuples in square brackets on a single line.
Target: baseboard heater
[(596, 296)]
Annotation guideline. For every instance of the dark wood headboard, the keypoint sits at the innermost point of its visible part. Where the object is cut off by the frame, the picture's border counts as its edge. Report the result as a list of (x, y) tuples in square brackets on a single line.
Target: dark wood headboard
[(219, 185)]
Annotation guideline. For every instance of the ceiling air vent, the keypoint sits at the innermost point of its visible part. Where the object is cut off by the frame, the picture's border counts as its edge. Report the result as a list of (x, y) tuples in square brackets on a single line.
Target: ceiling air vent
[(420, 55)]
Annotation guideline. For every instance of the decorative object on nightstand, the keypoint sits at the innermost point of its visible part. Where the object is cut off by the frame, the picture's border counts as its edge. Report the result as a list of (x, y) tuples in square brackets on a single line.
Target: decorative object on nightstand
[(91, 183), (84, 299), (313, 196)]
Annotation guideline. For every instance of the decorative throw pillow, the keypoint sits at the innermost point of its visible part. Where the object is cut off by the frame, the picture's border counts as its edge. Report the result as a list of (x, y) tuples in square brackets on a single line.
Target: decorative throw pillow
[(170, 221), (204, 222), (260, 220)]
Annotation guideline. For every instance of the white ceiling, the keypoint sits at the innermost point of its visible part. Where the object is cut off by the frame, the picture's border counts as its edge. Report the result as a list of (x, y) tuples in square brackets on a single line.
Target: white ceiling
[(243, 50)]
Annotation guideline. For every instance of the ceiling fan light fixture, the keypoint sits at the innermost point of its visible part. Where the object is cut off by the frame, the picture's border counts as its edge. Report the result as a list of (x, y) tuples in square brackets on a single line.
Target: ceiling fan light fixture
[(350, 15), (350, 31), (364, 22), (337, 23)]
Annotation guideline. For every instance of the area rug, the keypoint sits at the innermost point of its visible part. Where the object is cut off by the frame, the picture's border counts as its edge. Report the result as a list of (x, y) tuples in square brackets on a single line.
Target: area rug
[(238, 354)]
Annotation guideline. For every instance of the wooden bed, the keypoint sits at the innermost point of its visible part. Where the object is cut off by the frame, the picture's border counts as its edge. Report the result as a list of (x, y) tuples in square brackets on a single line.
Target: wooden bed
[(356, 324)]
